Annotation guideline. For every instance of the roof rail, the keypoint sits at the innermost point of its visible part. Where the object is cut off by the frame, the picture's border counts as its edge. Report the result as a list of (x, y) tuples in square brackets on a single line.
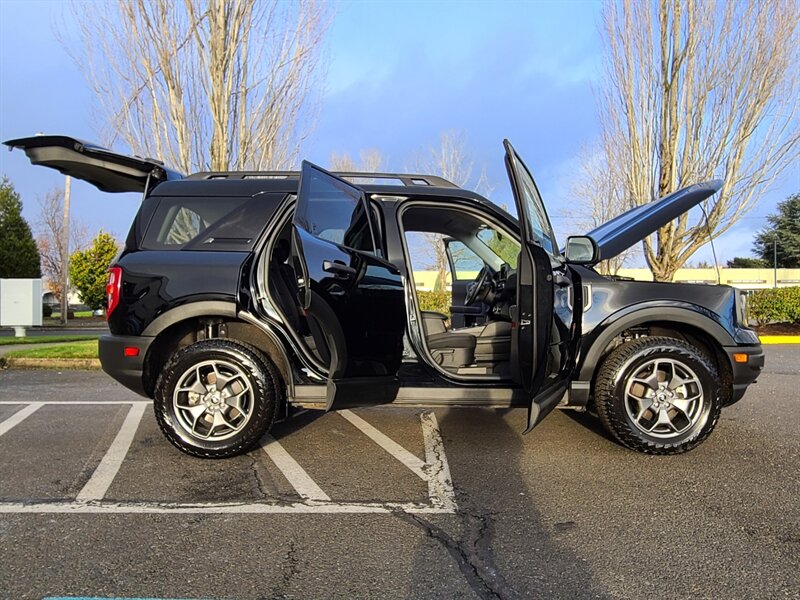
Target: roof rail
[(406, 179)]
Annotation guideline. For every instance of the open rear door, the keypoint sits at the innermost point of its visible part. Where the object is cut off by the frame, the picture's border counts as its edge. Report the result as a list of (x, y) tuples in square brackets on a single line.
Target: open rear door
[(542, 320), (355, 297), (106, 170)]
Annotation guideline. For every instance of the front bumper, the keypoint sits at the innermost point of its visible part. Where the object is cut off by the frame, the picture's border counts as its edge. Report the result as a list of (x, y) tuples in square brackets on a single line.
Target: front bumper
[(128, 370), (744, 372)]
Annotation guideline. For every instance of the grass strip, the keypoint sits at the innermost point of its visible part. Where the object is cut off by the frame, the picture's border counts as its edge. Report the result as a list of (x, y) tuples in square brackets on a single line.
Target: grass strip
[(87, 349), (44, 339)]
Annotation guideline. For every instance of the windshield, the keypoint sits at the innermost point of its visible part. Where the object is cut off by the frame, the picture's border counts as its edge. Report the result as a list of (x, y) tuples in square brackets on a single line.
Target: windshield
[(500, 244)]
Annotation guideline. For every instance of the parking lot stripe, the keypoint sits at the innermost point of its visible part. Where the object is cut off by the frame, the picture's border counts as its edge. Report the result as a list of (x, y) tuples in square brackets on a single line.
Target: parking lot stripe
[(105, 472), (291, 469), (76, 402), (308, 507), (440, 483), (413, 463), (19, 416)]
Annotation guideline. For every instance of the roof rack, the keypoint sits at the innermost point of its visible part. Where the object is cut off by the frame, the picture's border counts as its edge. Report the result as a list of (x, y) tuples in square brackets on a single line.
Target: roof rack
[(406, 179)]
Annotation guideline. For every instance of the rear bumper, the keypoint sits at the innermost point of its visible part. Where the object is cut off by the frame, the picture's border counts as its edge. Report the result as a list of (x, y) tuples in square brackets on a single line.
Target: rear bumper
[(744, 372), (128, 370)]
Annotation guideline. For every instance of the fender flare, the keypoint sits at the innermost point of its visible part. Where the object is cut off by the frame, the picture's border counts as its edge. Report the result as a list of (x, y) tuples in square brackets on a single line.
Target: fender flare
[(203, 308), (685, 314)]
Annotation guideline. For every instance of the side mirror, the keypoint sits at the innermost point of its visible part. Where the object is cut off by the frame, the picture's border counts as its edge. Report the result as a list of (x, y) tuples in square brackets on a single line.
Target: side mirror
[(582, 250)]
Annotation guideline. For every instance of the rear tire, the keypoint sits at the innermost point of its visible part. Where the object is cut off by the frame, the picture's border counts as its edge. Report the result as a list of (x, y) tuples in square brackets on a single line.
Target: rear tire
[(217, 398), (658, 395)]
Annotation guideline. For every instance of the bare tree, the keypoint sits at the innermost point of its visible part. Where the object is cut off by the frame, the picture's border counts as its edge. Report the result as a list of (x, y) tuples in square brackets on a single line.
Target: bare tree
[(600, 198), (697, 90), (214, 84), (449, 159), (371, 161), (53, 248)]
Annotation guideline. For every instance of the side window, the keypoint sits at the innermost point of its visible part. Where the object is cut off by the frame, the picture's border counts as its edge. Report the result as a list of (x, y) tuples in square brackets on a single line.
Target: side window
[(332, 210), (465, 263), (211, 223), (186, 225)]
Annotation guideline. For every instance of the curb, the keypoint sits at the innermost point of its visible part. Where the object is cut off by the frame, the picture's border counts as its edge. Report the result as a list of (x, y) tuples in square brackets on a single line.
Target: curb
[(50, 363), (779, 339)]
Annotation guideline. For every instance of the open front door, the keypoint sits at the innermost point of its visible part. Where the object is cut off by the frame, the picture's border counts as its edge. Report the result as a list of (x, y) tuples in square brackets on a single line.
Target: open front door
[(355, 297), (542, 327)]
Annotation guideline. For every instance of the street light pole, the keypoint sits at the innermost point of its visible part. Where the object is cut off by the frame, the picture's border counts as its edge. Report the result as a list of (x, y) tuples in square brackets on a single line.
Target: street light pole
[(775, 262), (65, 257)]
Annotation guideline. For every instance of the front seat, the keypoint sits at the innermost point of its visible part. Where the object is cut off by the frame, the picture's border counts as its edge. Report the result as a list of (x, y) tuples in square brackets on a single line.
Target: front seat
[(449, 349)]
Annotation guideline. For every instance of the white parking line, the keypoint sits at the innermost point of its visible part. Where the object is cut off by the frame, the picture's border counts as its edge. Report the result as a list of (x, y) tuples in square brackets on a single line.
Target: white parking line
[(434, 470), (440, 483), (291, 469), (102, 477), (414, 464), (308, 507), (19, 416)]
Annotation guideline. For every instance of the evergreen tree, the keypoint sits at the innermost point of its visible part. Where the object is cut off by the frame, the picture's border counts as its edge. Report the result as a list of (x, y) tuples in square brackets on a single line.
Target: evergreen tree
[(19, 256), (784, 226)]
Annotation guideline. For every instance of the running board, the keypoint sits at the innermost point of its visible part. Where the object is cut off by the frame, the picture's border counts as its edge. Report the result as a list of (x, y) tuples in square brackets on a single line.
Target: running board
[(314, 396)]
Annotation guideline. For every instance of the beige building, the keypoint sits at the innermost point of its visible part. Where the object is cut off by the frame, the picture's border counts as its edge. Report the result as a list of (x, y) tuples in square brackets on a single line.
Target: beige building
[(746, 279)]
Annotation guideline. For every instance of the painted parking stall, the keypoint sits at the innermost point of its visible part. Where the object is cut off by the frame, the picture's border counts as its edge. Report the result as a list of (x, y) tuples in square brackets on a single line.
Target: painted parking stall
[(120, 465)]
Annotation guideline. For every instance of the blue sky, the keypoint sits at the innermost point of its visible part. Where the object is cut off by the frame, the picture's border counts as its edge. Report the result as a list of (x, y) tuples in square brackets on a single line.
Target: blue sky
[(398, 74)]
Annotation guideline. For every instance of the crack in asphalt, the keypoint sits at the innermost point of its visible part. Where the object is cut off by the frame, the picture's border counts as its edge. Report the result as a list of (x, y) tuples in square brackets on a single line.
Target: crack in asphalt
[(473, 553)]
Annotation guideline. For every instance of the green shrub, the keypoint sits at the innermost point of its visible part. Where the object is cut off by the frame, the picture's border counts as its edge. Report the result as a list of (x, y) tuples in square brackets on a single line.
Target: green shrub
[(435, 301), (778, 305)]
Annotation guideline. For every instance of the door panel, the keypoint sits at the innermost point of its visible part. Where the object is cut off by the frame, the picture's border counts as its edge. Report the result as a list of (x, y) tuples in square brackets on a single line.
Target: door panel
[(356, 297), (543, 325)]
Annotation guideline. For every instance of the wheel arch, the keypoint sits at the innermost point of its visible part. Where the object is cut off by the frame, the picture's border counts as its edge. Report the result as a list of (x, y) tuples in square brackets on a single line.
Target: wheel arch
[(180, 333), (681, 323)]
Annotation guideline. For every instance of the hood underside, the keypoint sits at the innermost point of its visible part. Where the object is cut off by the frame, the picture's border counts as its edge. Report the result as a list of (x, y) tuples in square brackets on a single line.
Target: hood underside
[(634, 225)]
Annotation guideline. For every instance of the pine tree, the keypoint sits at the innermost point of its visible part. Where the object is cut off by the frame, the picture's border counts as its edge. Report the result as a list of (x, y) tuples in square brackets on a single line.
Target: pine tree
[(19, 256), (781, 239)]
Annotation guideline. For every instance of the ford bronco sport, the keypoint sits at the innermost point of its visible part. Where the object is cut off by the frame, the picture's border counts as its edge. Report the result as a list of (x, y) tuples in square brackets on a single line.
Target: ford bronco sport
[(240, 295)]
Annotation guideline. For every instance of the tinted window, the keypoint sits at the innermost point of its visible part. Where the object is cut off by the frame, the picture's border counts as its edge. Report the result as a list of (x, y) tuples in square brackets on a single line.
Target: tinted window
[(332, 210), (209, 223)]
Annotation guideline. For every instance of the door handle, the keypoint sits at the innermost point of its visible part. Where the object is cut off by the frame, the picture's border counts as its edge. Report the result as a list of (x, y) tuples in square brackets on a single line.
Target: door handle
[(338, 269)]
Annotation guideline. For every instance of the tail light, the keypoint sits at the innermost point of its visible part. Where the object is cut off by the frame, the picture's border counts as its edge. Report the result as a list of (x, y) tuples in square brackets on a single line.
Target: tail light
[(113, 289)]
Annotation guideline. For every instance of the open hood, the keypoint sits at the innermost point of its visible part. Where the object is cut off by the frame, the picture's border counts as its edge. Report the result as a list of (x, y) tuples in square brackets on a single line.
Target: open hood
[(106, 170), (632, 226)]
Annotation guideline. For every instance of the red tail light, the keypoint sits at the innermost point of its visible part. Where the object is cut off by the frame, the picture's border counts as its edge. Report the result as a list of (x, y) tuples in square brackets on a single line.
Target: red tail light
[(113, 288)]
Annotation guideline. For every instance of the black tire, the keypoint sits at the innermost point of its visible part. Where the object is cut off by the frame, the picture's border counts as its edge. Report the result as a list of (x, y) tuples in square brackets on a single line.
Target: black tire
[(264, 394), (634, 358)]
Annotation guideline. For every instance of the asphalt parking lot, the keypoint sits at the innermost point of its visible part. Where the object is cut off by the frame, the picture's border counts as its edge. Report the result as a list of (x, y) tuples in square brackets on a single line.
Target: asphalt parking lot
[(393, 503)]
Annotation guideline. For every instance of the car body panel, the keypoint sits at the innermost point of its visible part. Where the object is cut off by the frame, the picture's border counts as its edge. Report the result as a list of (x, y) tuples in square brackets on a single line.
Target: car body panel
[(103, 168)]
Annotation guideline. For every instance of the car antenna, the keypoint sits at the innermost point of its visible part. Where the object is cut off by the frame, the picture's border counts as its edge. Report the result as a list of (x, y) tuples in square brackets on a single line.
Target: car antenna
[(711, 240)]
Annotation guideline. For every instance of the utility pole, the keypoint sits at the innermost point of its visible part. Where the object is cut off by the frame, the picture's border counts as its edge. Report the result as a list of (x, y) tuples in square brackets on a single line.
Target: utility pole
[(65, 257), (775, 262)]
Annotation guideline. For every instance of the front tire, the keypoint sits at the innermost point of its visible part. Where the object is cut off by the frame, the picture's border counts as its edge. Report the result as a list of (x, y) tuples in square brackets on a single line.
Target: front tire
[(216, 398), (658, 395)]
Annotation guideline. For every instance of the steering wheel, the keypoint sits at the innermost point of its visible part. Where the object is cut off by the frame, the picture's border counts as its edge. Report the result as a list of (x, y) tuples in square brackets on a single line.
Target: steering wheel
[(480, 287)]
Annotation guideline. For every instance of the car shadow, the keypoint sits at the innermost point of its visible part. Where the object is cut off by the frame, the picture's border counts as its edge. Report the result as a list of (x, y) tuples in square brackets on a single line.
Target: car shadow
[(502, 544)]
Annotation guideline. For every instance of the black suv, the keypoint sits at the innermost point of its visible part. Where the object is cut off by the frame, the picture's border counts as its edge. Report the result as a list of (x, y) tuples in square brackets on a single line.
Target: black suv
[(241, 295)]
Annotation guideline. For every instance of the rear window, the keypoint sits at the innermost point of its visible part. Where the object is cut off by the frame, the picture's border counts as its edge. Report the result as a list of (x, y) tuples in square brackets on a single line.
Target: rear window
[(209, 223)]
